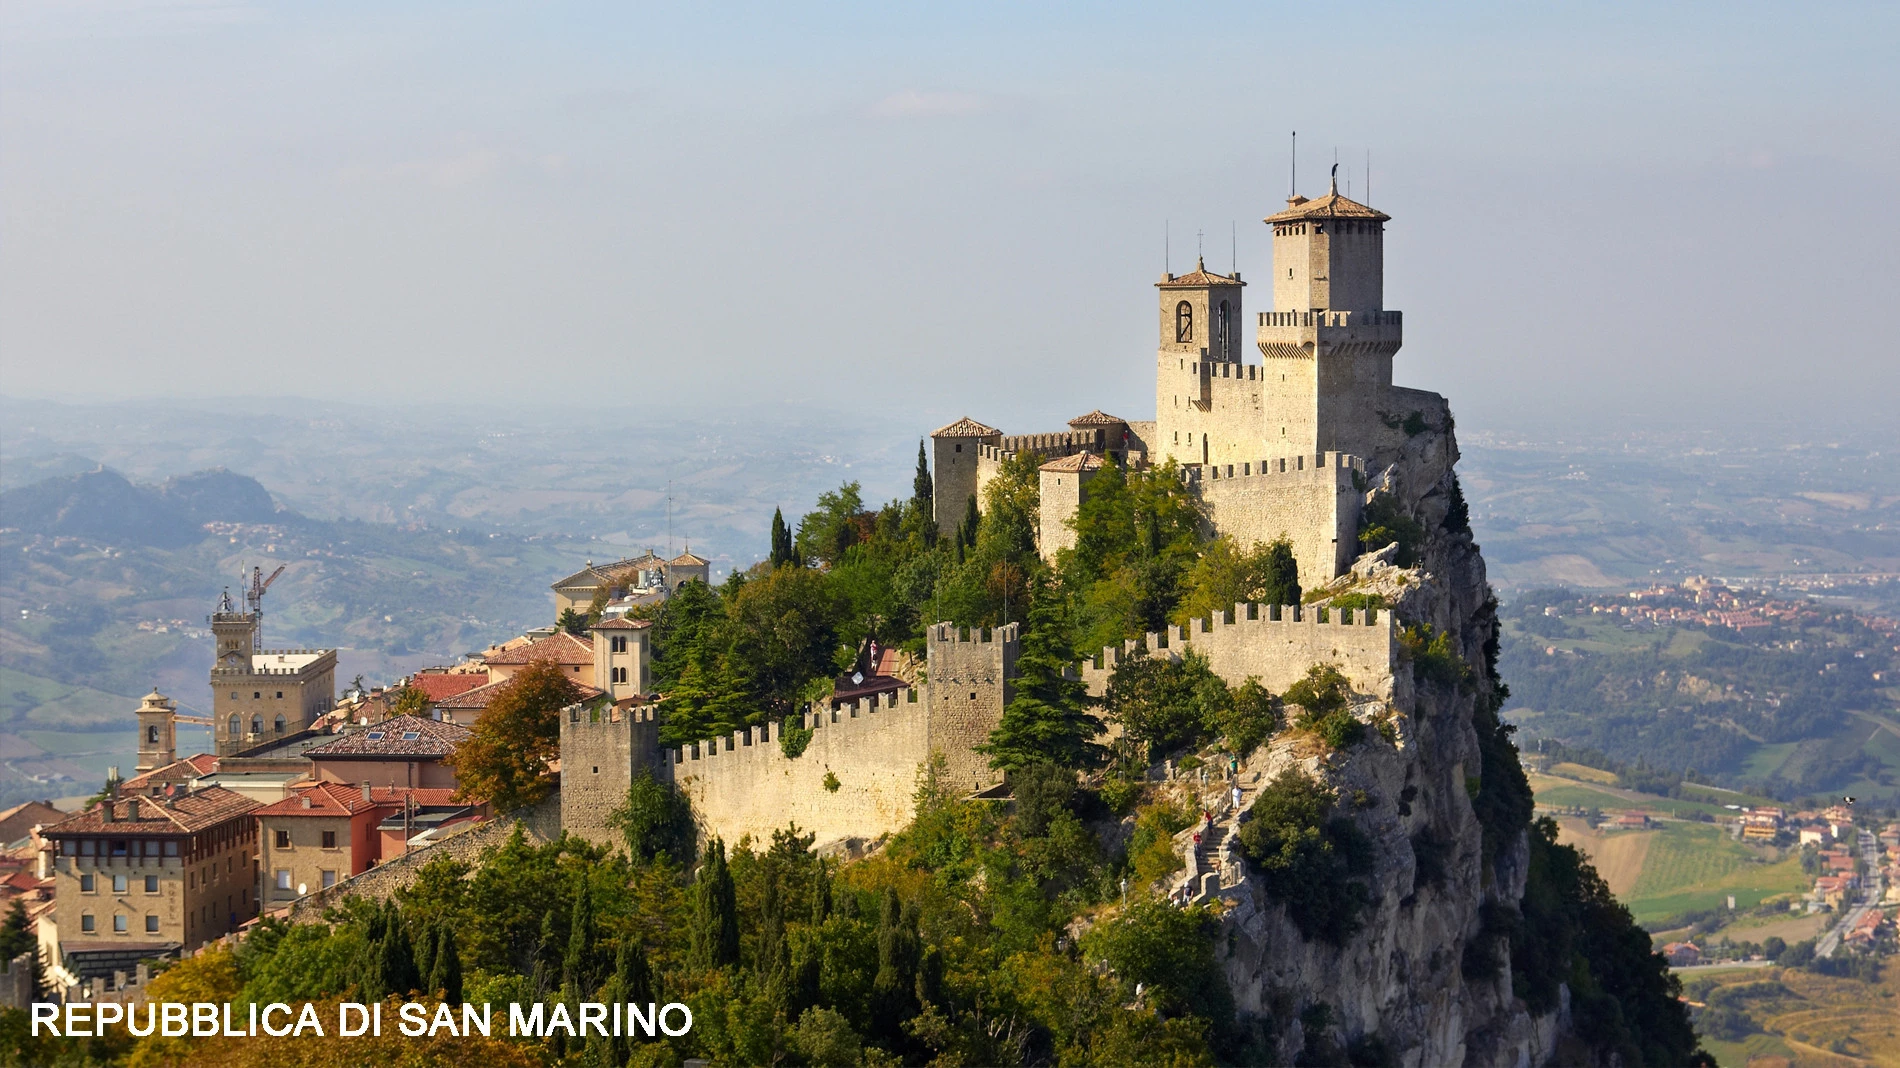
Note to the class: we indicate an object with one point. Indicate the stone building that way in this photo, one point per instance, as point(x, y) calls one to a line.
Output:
point(1274, 448)
point(141, 877)
point(405, 752)
point(259, 695)
point(644, 578)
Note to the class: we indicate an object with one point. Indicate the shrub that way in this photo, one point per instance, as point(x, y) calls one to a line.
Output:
point(1383, 522)
point(794, 736)
point(1432, 655)
point(1325, 700)
point(1309, 860)
point(831, 782)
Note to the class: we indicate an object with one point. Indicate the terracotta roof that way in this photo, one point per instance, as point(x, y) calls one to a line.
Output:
point(18, 822)
point(391, 737)
point(1081, 461)
point(1198, 277)
point(687, 559)
point(475, 698)
point(560, 647)
point(183, 814)
point(342, 799)
point(1330, 206)
point(437, 685)
point(623, 623)
point(196, 766)
point(965, 427)
point(1098, 417)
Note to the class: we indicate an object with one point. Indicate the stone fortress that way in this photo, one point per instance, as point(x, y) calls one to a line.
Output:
point(1292, 446)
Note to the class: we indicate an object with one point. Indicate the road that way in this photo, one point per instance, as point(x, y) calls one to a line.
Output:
point(1869, 898)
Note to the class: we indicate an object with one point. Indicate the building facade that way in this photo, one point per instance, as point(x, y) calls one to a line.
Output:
point(259, 695)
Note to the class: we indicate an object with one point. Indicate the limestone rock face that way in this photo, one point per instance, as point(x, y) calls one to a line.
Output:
point(1400, 981)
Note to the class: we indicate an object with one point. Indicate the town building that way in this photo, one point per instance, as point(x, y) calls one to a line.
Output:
point(141, 877)
point(643, 579)
point(405, 752)
point(258, 694)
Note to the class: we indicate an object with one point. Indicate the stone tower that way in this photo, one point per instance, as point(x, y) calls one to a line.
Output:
point(1199, 419)
point(236, 634)
point(257, 694)
point(158, 729)
point(958, 448)
point(1328, 342)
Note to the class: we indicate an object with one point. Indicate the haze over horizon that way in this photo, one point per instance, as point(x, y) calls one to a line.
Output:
point(1624, 213)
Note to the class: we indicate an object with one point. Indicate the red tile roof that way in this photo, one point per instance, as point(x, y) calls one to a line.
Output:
point(965, 427)
point(1200, 276)
point(622, 623)
point(1330, 206)
point(560, 647)
point(1081, 461)
point(180, 814)
point(196, 766)
point(335, 799)
point(1098, 417)
point(391, 738)
point(437, 685)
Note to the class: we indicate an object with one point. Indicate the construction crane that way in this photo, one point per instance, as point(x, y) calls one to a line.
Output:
point(254, 599)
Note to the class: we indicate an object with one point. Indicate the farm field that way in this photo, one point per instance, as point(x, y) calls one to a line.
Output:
point(1796, 1018)
point(1696, 866)
point(1618, 856)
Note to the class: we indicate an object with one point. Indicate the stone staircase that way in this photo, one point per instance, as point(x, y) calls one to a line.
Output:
point(1214, 864)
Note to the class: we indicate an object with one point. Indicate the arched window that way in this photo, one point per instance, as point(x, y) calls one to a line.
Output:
point(1220, 329)
point(1183, 322)
point(257, 724)
point(231, 728)
point(151, 734)
point(280, 724)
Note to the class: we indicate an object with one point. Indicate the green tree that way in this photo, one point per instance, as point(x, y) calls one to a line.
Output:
point(827, 531)
point(506, 759)
point(1250, 717)
point(782, 551)
point(1308, 859)
point(1164, 703)
point(922, 489)
point(445, 977)
point(581, 964)
point(396, 957)
point(409, 701)
point(1049, 718)
point(715, 911)
point(1324, 697)
point(654, 818)
point(572, 622)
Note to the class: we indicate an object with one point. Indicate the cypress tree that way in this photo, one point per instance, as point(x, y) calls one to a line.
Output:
point(893, 989)
point(921, 488)
point(782, 552)
point(821, 894)
point(1281, 583)
point(398, 957)
point(1048, 720)
point(445, 977)
point(715, 911)
point(633, 973)
point(547, 957)
point(580, 972)
point(426, 939)
point(971, 521)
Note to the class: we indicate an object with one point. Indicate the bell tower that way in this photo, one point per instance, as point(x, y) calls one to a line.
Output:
point(1199, 343)
point(158, 729)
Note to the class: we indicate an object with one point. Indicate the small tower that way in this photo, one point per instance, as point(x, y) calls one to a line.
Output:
point(1200, 314)
point(236, 634)
point(954, 468)
point(158, 728)
point(1200, 342)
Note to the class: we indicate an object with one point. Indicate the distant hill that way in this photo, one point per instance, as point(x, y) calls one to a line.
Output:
point(104, 505)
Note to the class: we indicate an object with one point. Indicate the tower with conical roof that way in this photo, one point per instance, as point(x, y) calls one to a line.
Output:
point(1328, 341)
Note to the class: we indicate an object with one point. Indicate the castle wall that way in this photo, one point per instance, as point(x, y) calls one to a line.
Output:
point(744, 783)
point(1311, 500)
point(1247, 642)
point(602, 749)
point(970, 683)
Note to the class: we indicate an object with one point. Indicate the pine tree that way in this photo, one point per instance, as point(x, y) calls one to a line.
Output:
point(715, 911)
point(445, 977)
point(580, 972)
point(774, 963)
point(1048, 721)
point(893, 989)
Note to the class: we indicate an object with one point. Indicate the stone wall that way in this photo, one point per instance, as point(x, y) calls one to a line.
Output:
point(970, 677)
point(541, 823)
point(1249, 642)
point(744, 784)
point(1311, 500)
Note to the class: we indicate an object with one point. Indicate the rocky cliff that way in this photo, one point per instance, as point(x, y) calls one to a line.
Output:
point(1427, 978)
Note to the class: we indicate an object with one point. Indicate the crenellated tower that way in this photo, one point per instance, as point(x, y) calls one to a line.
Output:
point(1328, 342)
point(1198, 416)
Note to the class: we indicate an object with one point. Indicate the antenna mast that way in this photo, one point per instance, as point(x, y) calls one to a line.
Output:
point(1293, 173)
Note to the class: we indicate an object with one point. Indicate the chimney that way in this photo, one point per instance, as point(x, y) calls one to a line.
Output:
point(132, 810)
point(366, 791)
point(306, 800)
point(106, 814)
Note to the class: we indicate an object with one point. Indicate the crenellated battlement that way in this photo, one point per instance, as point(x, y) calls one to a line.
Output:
point(1275, 644)
point(1331, 319)
point(1329, 465)
point(1055, 445)
point(951, 634)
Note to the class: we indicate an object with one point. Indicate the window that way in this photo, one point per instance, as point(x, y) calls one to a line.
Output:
point(231, 728)
point(374, 736)
point(68, 847)
point(410, 736)
point(171, 848)
point(1220, 327)
point(1183, 322)
point(620, 674)
point(280, 695)
point(86, 922)
point(256, 695)
point(118, 923)
point(86, 884)
point(283, 878)
point(151, 884)
point(257, 724)
point(619, 643)
point(119, 884)
point(329, 839)
point(151, 734)
point(329, 879)
point(151, 848)
point(280, 724)
point(283, 839)
point(151, 923)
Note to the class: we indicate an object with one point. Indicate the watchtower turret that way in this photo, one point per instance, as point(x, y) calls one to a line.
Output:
point(158, 731)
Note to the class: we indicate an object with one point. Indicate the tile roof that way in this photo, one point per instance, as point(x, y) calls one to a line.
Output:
point(475, 698)
point(1098, 417)
point(965, 427)
point(335, 799)
point(1081, 461)
point(181, 814)
point(196, 766)
point(560, 647)
point(437, 685)
point(1199, 276)
point(687, 559)
point(390, 738)
point(622, 623)
point(1330, 206)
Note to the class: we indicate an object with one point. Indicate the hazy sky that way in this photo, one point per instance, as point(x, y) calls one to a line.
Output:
point(1615, 209)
